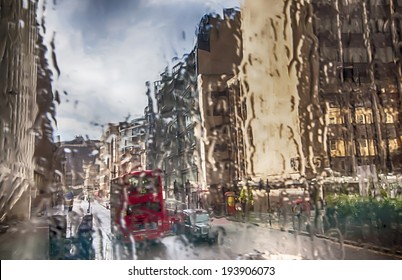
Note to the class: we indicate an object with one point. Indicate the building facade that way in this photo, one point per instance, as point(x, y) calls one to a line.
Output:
point(18, 108)
point(218, 57)
point(108, 158)
point(321, 80)
point(132, 146)
point(79, 165)
point(269, 78)
point(360, 82)
point(178, 115)
point(123, 147)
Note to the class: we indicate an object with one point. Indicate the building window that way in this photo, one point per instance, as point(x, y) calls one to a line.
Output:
point(204, 34)
point(295, 164)
point(362, 143)
point(223, 147)
point(348, 74)
point(389, 118)
point(360, 119)
point(221, 108)
point(393, 145)
point(381, 26)
point(332, 145)
point(369, 118)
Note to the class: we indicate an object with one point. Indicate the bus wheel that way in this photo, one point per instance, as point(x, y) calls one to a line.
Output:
point(156, 242)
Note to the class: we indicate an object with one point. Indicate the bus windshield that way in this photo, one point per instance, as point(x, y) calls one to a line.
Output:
point(140, 208)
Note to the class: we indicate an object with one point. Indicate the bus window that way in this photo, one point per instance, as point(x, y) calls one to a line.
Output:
point(140, 208)
point(142, 185)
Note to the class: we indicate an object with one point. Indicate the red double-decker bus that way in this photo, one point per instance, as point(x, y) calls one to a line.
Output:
point(137, 206)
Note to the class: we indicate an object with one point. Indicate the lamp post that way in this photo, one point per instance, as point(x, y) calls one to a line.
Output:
point(268, 191)
point(187, 187)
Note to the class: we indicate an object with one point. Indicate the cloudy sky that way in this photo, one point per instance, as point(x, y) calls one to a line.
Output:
point(106, 51)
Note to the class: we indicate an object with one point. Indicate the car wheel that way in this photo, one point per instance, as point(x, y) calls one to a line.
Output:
point(220, 236)
point(191, 239)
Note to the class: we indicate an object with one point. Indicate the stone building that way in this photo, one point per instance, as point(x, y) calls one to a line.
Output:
point(321, 80)
point(287, 93)
point(218, 57)
point(47, 158)
point(177, 114)
point(360, 82)
point(108, 158)
point(123, 147)
point(18, 108)
point(195, 136)
point(132, 146)
point(269, 79)
point(79, 168)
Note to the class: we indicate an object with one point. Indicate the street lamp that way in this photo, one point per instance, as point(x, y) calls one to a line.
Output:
point(268, 191)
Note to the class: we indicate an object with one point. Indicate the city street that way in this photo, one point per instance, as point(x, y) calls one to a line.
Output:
point(101, 225)
point(245, 241)
point(200, 130)
point(242, 241)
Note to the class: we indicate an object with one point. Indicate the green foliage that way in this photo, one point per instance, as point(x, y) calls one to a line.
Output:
point(384, 212)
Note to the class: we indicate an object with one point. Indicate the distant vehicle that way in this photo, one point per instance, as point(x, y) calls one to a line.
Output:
point(69, 200)
point(197, 226)
point(137, 207)
point(74, 247)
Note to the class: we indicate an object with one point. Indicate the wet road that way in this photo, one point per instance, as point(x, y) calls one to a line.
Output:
point(102, 241)
point(253, 242)
point(239, 241)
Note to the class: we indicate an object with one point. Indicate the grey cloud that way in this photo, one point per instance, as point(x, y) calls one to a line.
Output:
point(105, 20)
point(102, 19)
point(110, 48)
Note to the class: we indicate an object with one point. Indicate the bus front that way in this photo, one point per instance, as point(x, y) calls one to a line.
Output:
point(143, 207)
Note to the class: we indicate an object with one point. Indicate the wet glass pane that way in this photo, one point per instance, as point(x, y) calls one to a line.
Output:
point(255, 129)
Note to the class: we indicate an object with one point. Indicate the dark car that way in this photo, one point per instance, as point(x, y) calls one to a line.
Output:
point(197, 226)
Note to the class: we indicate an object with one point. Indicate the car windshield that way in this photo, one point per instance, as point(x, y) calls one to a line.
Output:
point(280, 119)
point(175, 205)
point(201, 218)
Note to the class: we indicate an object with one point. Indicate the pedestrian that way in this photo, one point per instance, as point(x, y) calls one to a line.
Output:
point(238, 208)
point(297, 210)
point(284, 205)
point(243, 199)
point(260, 201)
point(69, 199)
point(175, 190)
point(246, 199)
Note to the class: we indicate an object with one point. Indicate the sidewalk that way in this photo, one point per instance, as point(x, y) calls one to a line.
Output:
point(26, 240)
point(30, 240)
point(272, 221)
point(104, 202)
